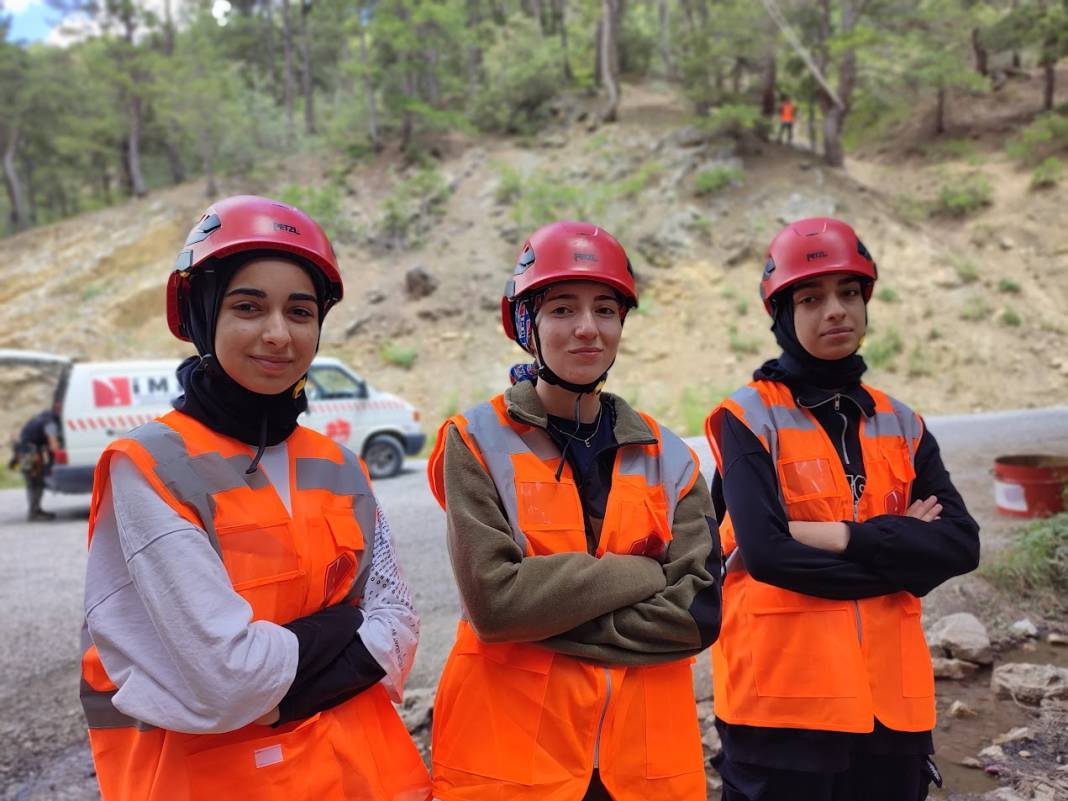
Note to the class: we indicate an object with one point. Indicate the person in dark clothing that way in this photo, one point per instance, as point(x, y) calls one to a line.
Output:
point(838, 515)
point(33, 454)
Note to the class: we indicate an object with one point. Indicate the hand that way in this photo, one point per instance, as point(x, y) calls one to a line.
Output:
point(833, 537)
point(926, 510)
point(269, 719)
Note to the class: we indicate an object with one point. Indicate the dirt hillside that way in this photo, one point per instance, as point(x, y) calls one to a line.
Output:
point(969, 314)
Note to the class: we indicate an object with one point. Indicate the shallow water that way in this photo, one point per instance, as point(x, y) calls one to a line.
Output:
point(957, 738)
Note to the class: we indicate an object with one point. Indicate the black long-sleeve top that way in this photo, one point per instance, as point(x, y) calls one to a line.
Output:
point(885, 554)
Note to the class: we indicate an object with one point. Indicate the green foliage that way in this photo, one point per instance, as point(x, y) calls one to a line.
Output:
point(741, 345)
point(1047, 135)
point(412, 207)
point(323, 205)
point(509, 185)
point(522, 73)
point(975, 309)
point(886, 295)
point(1047, 174)
point(695, 404)
point(716, 179)
point(1010, 318)
point(398, 355)
point(967, 269)
point(1008, 285)
point(919, 363)
point(964, 196)
point(1036, 561)
point(882, 350)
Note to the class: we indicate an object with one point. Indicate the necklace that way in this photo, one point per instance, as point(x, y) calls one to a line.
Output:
point(584, 440)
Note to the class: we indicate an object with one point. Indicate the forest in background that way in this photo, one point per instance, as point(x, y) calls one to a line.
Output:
point(151, 93)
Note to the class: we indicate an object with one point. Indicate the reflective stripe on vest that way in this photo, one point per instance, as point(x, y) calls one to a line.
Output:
point(785, 659)
point(319, 554)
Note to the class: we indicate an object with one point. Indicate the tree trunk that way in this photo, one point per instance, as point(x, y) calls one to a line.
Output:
point(1016, 63)
point(306, 71)
point(407, 123)
point(174, 159)
point(288, 82)
point(31, 187)
point(1050, 71)
point(207, 161)
point(561, 21)
point(767, 84)
point(940, 111)
point(663, 12)
point(598, 43)
point(270, 58)
point(369, 90)
point(537, 12)
point(813, 136)
point(133, 148)
point(610, 10)
point(736, 76)
point(19, 217)
point(834, 114)
point(979, 49)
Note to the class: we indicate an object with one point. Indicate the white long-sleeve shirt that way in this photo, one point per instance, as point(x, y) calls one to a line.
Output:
point(180, 643)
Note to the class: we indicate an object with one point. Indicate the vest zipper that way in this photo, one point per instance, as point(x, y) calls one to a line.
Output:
point(856, 603)
point(600, 722)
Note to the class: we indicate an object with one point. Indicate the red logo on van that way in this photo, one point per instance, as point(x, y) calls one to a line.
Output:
point(111, 392)
point(339, 430)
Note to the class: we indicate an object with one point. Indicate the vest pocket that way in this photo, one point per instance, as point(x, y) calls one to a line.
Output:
point(917, 673)
point(672, 732)
point(550, 514)
point(807, 649)
point(488, 708)
point(282, 767)
point(264, 566)
point(805, 479)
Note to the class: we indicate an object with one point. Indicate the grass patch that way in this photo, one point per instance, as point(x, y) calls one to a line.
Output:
point(882, 350)
point(323, 205)
point(1036, 563)
point(946, 149)
point(1010, 318)
point(509, 185)
point(967, 270)
point(886, 295)
point(1047, 174)
point(1008, 286)
point(911, 209)
point(10, 479)
point(716, 179)
point(962, 197)
point(974, 310)
point(741, 345)
point(1042, 138)
point(413, 205)
point(919, 363)
point(741, 307)
point(398, 355)
point(695, 404)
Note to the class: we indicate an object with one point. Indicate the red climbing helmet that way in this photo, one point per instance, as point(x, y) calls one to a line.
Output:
point(248, 222)
point(812, 247)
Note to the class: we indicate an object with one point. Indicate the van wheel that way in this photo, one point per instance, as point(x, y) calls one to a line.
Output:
point(384, 456)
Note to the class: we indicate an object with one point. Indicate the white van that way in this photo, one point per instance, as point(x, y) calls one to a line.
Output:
point(104, 400)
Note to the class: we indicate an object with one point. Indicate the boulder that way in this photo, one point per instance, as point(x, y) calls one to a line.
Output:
point(710, 740)
point(419, 283)
point(1029, 684)
point(1024, 628)
point(1011, 736)
point(952, 668)
point(375, 296)
point(1055, 638)
point(992, 753)
point(959, 709)
point(960, 636)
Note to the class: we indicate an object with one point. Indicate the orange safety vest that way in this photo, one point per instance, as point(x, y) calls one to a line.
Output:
point(522, 722)
point(787, 113)
point(285, 566)
point(790, 660)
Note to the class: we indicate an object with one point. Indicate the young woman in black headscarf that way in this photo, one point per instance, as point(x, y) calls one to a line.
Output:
point(837, 517)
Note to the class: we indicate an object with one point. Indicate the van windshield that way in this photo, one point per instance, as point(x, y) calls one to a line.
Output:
point(330, 383)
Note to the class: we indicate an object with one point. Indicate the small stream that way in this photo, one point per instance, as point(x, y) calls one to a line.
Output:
point(957, 738)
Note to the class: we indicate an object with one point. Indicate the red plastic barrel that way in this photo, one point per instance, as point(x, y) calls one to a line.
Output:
point(1030, 485)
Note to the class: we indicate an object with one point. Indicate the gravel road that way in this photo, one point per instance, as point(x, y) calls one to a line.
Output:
point(44, 753)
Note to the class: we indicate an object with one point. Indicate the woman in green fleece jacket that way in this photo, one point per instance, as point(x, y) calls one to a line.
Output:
point(587, 558)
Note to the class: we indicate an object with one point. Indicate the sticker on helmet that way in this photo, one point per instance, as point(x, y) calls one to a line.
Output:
point(586, 257)
point(816, 254)
point(287, 228)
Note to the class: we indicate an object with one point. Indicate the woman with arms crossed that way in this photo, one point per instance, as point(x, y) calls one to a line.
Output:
point(246, 623)
point(587, 560)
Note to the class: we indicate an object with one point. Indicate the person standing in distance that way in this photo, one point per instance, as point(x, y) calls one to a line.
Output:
point(34, 453)
point(838, 516)
point(581, 538)
point(247, 627)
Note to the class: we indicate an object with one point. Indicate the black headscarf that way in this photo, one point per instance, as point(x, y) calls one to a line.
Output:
point(798, 368)
point(213, 397)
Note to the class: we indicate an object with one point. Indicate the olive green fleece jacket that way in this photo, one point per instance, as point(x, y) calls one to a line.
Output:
point(618, 609)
